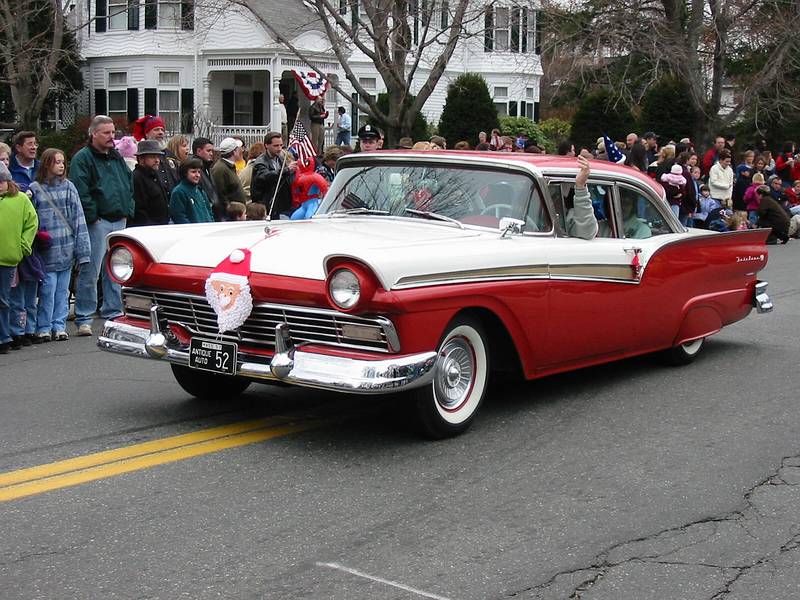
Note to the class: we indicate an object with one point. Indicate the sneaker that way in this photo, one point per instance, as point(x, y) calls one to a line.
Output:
point(40, 338)
point(60, 336)
point(84, 330)
point(4, 348)
point(16, 342)
point(27, 339)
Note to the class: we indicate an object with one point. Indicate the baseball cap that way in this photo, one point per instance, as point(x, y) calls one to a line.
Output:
point(229, 144)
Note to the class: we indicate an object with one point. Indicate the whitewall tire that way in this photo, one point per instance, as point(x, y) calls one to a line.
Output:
point(685, 353)
point(447, 406)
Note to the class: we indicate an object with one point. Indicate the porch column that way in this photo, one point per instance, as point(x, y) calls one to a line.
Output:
point(277, 71)
point(206, 92)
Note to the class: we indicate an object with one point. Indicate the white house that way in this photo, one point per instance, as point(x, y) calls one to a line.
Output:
point(213, 68)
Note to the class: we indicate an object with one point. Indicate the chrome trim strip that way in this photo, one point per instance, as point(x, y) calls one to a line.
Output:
point(293, 365)
point(523, 271)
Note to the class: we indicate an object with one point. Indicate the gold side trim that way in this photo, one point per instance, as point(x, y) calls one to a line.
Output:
point(452, 276)
point(623, 272)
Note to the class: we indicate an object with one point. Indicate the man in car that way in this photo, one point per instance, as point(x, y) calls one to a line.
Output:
point(581, 222)
point(368, 137)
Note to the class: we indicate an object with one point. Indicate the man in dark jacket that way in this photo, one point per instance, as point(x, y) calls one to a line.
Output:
point(103, 181)
point(152, 128)
point(271, 173)
point(772, 215)
point(150, 195)
point(23, 165)
point(203, 149)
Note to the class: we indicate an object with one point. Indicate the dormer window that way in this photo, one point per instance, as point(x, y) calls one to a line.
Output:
point(510, 28)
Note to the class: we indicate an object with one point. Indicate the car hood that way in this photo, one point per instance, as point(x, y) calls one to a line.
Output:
point(394, 248)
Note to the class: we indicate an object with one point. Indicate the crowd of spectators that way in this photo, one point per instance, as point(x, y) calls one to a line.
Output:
point(54, 220)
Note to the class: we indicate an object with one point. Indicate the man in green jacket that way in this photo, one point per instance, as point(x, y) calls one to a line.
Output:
point(226, 181)
point(104, 184)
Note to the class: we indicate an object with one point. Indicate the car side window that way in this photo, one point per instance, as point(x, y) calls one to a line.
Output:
point(563, 193)
point(640, 216)
point(537, 216)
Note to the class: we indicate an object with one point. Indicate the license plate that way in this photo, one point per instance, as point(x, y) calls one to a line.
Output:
point(210, 355)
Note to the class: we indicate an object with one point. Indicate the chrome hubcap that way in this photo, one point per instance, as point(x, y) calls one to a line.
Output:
point(692, 347)
point(455, 370)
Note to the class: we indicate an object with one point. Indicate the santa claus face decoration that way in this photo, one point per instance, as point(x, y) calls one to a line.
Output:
point(228, 291)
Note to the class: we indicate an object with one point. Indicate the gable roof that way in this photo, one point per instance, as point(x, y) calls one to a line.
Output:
point(290, 17)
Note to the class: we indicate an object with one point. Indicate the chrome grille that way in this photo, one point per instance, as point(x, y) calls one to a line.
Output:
point(317, 326)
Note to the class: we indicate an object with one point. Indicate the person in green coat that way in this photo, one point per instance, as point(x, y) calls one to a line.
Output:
point(188, 202)
point(104, 184)
point(18, 225)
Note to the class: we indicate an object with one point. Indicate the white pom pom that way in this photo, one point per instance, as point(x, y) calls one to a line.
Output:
point(237, 256)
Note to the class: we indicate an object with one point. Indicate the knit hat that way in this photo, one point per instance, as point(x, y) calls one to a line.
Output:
point(126, 146)
point(5, 174)
point(676, 169)
point(143, 125)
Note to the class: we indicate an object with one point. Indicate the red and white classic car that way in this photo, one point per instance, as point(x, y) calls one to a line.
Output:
point(424, 272)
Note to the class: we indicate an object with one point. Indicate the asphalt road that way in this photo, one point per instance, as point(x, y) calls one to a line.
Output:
point(632, 480)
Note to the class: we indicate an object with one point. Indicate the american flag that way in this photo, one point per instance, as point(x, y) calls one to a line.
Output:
point(300, 144)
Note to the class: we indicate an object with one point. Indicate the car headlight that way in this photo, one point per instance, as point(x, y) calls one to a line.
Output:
point(344, 288)
point(121, 263)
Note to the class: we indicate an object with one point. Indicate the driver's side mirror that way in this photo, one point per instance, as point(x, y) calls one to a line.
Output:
point(510, 225)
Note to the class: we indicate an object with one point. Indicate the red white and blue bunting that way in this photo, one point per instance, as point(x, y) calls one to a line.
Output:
point(312, 83)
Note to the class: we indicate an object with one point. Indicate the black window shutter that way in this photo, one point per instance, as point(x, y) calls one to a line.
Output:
point(150, 14)
point(536, 112)
point(537, 34)
point(488, 29)
point(227, 107)
point(150, 102)
point(101, 11)
point(133, 104)
point(133, 15)
point(258, 107)
point(187, 15)
point(187, 110)
point(100, 102)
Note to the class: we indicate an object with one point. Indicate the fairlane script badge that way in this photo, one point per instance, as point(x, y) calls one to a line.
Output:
point(758, 258)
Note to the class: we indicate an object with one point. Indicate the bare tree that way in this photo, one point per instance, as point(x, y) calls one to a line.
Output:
point(32, 44)
point(628, 46)
point(404, 39)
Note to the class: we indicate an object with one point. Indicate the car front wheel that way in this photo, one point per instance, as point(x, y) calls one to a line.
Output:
point(683, 354)
point(209, 386)
point(447, 406)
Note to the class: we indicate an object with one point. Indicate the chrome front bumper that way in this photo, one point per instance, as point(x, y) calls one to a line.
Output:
point(290, 364)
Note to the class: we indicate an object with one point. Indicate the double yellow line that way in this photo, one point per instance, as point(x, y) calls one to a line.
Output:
point(81, 469)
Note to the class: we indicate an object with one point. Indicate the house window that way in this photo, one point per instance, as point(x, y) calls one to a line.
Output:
point(509, 28)
point(169, 78)
point(169, 14)
point(169, 108)
point(501, 29)
point(118, 104)
point(117, 14)
point(117, 79)
point(331, 96)
point(243, 107)
point(500, 102)
point(368, 83)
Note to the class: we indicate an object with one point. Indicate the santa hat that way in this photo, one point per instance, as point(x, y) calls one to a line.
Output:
point(143, 125)
point(234, 268)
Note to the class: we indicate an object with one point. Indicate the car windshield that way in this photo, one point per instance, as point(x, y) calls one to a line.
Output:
point(434, 192)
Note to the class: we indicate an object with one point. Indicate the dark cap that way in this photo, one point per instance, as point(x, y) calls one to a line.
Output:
point(369, 132)
point(151, 147)
point(649, 135)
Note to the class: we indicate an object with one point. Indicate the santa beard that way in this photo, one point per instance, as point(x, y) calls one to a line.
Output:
point(230, 317)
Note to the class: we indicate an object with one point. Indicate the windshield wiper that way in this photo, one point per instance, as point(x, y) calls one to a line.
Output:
point(361, 210)
point(432, 215)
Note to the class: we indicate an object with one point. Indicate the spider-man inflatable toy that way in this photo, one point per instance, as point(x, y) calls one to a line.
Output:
point(308, 189)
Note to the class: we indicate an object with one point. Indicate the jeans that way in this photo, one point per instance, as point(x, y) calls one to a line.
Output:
point(343, 138)
point(53, 302)
point(795, 210)
point(676, 210)
point(6, 277)
point(23, 307)
point(86, 286)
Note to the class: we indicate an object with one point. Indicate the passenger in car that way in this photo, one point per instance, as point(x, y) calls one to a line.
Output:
point(633, 227)
point(580, 221)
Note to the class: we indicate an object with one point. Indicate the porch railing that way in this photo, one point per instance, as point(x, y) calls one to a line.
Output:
point(251, 134)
